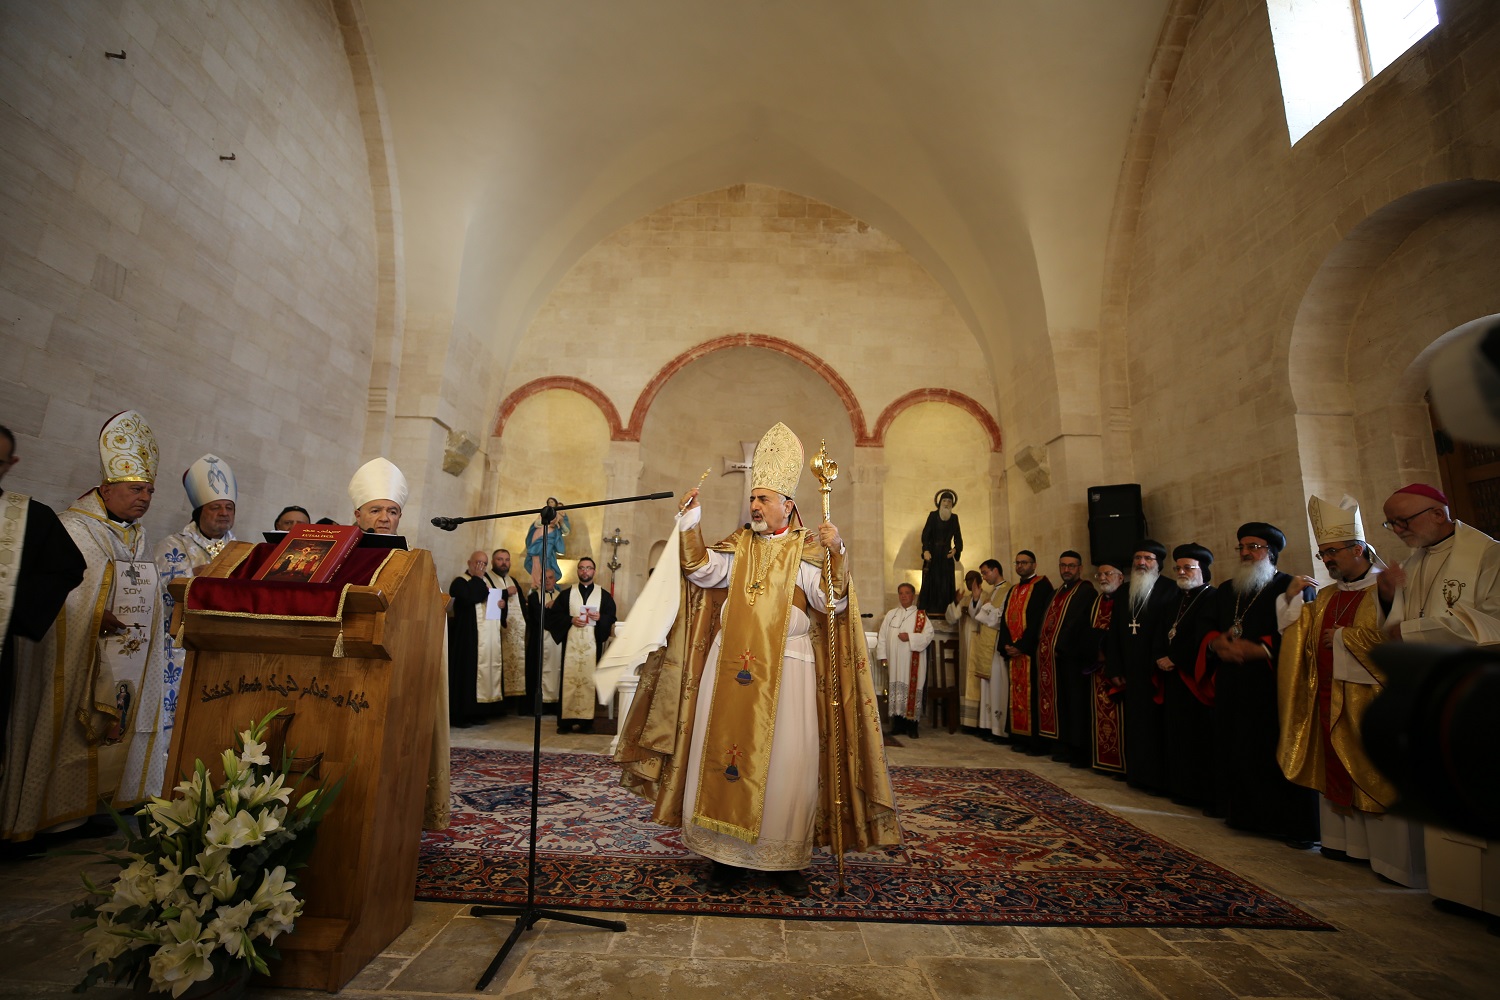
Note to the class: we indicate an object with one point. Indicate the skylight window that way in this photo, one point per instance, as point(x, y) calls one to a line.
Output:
point(1326, 50)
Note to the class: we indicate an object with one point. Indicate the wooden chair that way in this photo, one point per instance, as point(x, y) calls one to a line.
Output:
point(942, 684)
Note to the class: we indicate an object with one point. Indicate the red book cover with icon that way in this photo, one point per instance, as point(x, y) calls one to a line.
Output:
point(310, 553)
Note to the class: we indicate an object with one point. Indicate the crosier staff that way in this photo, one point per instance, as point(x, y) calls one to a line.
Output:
point(825, 470)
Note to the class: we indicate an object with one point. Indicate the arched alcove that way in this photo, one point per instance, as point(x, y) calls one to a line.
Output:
point(701, 415)
point(555, 445)
point(931, 446)
point(1377, 308)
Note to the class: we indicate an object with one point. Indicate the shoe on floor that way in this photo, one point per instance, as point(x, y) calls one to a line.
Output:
point(722, 877)
point(793, 883)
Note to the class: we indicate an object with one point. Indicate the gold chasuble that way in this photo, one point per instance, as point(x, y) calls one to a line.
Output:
point(1303, 744)
point(730, 783)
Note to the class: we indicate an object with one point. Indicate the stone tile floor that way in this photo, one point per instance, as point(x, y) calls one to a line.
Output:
point(1391, 942)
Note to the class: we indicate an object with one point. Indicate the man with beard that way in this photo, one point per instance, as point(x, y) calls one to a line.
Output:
point(942, 547)
point(1137, 623)
point(986, 665)
point(1105, 687)
point(1326, 680)
point(581, 620)
point(731, 734)
point(512, 652)
point(470, 644)
point(1020, 628)
point(1064, 655)
point(1250, 613)
point(543, 654)
point(1186, 679)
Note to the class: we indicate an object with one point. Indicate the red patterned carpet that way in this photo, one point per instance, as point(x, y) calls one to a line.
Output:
point(983, 846)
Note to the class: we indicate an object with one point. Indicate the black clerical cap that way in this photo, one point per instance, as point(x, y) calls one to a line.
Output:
point(1260, 529)
point(1154, 547)
point(1192, 550)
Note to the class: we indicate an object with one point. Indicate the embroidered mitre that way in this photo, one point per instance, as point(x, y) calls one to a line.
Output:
point(1335, 523)
point(127, 449)
point(209, 479)
point(777, 464)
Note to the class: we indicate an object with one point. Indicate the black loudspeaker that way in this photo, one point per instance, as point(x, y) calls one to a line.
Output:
point(1116, 522)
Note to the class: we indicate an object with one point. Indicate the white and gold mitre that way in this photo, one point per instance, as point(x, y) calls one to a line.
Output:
point(378, 479)
point(209, 479)
point(127, 449)
point(1335, 524)
point(777, 464)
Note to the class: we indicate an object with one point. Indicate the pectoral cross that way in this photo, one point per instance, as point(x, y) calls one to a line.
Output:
point(1134, 627)
point(753, 588)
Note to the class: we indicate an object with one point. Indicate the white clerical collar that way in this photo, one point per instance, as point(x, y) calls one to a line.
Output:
point(1363, 583)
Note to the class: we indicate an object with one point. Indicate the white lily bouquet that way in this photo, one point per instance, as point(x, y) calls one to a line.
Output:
point(203, 889)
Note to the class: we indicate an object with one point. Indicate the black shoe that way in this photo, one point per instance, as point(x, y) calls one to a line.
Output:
point(1334, 854)
point(1300, 845)
point(1062, 758)
point(563, 730)
point(793, 883)
point(913, 734)
point(722, 877)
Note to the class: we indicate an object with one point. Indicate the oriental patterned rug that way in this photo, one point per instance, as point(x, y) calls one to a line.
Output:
point(983, 846)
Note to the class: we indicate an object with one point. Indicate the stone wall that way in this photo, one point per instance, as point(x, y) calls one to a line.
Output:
point(232, 301)
point(1235, 226)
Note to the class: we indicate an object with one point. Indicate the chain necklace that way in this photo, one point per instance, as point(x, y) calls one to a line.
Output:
point(1238, 628)
point(759, 568)
point(1182, 612)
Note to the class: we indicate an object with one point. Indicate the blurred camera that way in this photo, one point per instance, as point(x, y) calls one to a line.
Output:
point(1432, 732)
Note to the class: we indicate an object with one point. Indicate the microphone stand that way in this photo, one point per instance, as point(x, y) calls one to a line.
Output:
point(529, 913)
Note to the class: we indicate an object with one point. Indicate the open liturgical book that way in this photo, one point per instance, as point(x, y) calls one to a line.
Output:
point(310, 553)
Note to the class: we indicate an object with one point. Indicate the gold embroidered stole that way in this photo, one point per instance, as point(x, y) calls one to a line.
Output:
point(747, 683)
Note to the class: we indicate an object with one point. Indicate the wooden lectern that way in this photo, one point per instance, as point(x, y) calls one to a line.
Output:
point(366, 715)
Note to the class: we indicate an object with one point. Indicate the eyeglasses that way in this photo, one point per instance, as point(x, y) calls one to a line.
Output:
point(1402, 523)
point(1251, 546)
point(1184, 570)
point(1329, 553)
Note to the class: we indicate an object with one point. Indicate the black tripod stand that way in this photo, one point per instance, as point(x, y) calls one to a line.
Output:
point(529, 913)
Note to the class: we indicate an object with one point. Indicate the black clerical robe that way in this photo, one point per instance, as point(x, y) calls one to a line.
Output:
point(1249, 788)
point(50, 568)
point(559, 622)
point(463, 649)
point(939, 585)
point(1068, 649)
point(1135, 634)
point(1187, 697)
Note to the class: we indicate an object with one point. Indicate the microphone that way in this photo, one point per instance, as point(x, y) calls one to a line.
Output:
point(447, 523)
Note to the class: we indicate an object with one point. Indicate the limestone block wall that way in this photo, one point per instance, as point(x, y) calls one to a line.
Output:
point(1233, 227)
point(753, 259)
point(231, 301)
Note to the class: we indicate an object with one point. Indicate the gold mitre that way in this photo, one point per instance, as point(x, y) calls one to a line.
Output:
point(777, 464)
point(127, 449)
point(1335, 523)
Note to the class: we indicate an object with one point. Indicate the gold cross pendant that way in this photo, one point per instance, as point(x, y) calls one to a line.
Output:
point(753, 589)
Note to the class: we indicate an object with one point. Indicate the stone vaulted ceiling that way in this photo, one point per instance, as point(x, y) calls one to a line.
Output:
point(985, 135)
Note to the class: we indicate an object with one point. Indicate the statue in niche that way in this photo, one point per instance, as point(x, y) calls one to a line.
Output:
point(942, 546)
point(554, 535)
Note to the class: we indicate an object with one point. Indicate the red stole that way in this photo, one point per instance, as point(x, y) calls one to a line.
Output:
point(1046, 662)
point(1109, 724)
point(1338, 785)
point(1020, 665)
point(915, 668)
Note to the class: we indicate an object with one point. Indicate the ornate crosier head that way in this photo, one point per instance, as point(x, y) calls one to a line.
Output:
point(824, 469)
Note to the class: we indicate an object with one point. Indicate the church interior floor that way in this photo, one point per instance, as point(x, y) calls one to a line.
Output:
point(1391, 942)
